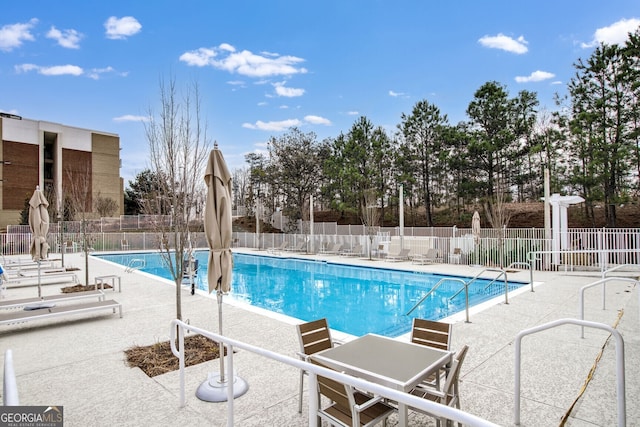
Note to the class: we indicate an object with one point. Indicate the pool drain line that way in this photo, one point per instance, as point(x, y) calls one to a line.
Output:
point(592, 371)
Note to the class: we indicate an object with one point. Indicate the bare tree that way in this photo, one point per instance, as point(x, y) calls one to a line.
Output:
point(78, 193)
point(178, 149)
point(105, 206)
point(370, 215)
point(498, 216)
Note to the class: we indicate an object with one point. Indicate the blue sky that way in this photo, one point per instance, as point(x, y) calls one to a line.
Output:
point(263, 66)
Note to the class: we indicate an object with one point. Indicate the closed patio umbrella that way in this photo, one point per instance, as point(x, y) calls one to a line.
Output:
point(475, 230)
point(217, 228)
point(39, 225)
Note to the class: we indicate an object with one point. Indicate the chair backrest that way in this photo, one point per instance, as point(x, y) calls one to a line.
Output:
point(431, 333)
point(314, 336)
point(457, 251)
point(451, 383)
point(337, 392)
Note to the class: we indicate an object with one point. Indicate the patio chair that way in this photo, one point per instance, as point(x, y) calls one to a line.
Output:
point(313, 336)
point(450, 393)
point(355, 251)
point(454, 257)
point(431, 333)
point(349, 407)
point(124, 245)
point(403, 255)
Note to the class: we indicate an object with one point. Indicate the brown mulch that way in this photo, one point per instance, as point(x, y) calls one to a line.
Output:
point(82, 288)
point(157, 359)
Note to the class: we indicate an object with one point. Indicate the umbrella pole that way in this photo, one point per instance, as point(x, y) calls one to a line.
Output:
point(216, 387)
point(221, 350)
point(39, 287)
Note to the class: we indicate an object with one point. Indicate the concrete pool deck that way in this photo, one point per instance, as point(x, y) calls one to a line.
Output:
point(78, 362)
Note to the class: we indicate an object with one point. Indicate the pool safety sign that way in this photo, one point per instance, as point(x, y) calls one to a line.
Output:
point(31, 416)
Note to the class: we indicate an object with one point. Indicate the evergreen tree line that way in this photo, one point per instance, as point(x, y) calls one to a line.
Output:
point(590, 145)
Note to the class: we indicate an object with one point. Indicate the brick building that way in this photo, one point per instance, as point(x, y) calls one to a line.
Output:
point(62, 160)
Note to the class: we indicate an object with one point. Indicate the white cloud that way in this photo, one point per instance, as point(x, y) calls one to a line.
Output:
point(272, 126)
point(395, 94)
point(121, 28)
point(95, 73)
point(226, 58)
point(66, 38)
point(56, 70)
point(199, 57)
point(536, 76)
point(12, 35)
point(352, 113)
point(131, 118)
point(60, 70)
point(72, 70)
point(616, 33)
point(288, 92)
point(317, 120)
point(503, 42)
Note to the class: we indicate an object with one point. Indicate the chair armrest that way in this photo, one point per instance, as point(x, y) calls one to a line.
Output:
point(375, 399)
point(302, 356)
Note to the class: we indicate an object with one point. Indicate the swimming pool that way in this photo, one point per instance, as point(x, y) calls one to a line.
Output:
point(355, 300)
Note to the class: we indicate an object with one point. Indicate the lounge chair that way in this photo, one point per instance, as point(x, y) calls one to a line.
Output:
point(124, 244)
point(432, 256)
point(19, 316)
point(313, 336)
point(355, 251)
point(333, 249)
point(450, 393)
point(403, 255)
point(350, 407)
point(299, 247)
point(278, 249)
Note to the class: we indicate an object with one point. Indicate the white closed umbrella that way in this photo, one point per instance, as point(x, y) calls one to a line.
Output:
point(39, 225)
point(475, 230)
point(218, 232)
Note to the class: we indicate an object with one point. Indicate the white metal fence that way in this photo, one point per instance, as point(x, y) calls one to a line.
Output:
point(501, 247)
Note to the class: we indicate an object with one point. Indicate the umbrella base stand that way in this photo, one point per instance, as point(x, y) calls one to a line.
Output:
point(215, 390)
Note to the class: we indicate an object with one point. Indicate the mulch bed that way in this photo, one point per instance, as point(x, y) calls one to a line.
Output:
point(157, 359)
point(82, 288)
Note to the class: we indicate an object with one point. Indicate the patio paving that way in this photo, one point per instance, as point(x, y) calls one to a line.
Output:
point(78, 361)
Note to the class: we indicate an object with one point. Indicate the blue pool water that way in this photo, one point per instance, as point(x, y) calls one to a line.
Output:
point(355, 300)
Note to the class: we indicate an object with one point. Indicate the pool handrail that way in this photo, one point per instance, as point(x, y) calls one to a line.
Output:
point(135, 264)
point(433, 289)
point(620, 370)
point(602, 282)
point(477, 276)
point(529, 265)
point(410, 400)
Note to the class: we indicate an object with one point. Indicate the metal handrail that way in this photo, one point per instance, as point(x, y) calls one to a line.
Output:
point(426, 405)
point(620, 373)
point(135, 264)
point(529, 266)
point(602, 282)
point(432, 290)
point(617, 267)
point(477, 276)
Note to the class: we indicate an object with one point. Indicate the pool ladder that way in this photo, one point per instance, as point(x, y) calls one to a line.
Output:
point(135, 264)
point(465, 288)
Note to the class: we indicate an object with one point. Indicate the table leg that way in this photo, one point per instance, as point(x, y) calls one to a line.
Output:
point(403, 414)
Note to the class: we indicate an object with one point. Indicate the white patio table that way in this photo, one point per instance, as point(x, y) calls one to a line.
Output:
point(395, 364)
